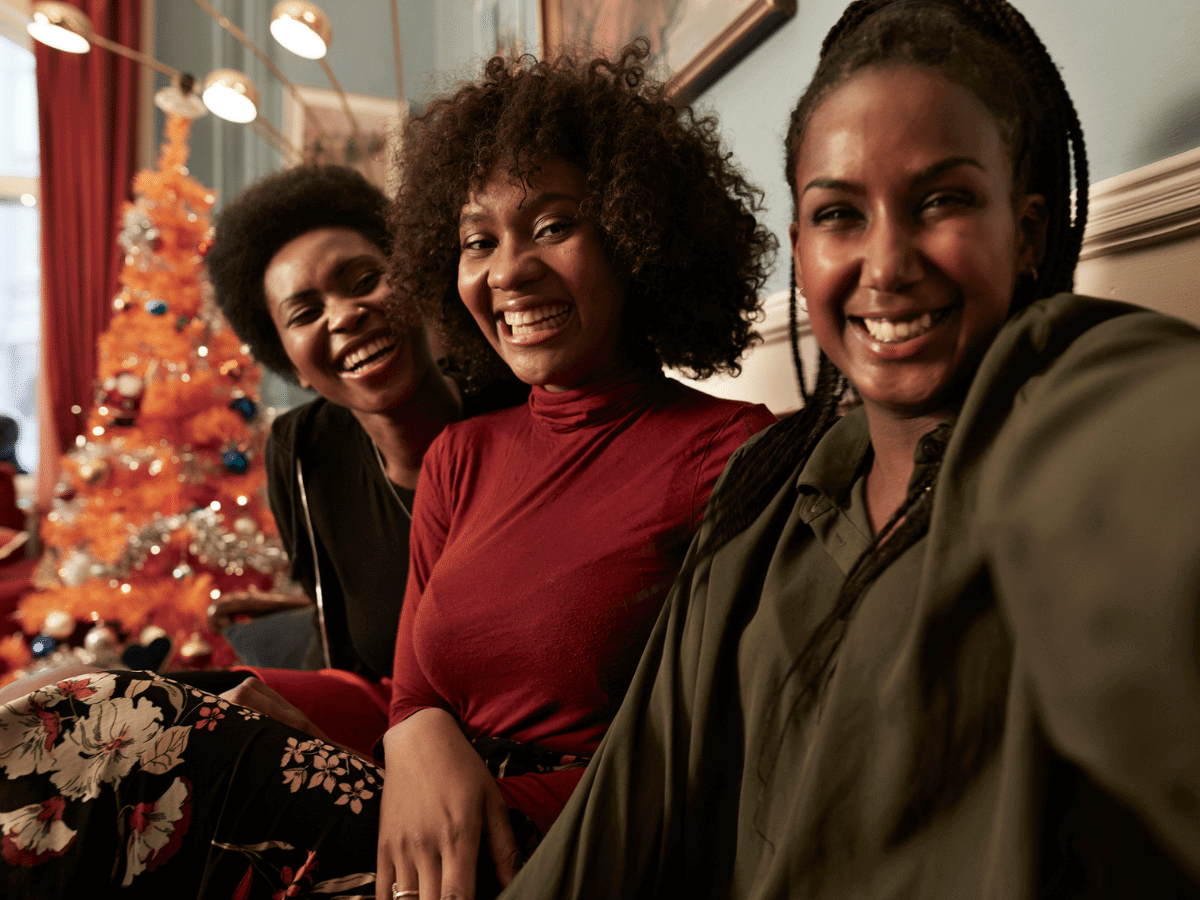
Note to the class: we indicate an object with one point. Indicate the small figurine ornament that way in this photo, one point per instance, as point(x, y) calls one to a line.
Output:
point(123, 393)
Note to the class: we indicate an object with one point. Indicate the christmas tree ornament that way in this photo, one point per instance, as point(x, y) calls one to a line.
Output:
point(123, 393)
point(231, 368)
point(196, 652)
point(58, 625)
point(138, 230)
point(42, 645)
point(102, 640)
point(244, 405)
point(156, 307)
point(152, 633)
point(75, 568)
point(235, 461)
point(94, 471)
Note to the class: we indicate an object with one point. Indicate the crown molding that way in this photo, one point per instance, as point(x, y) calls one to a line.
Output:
point(1156, 203)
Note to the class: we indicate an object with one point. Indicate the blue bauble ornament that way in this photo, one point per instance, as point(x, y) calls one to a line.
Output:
point(247, 407)
point(156, 307)
point(235, 461)
point(42, 645)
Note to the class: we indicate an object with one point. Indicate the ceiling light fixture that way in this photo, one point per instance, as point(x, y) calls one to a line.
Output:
point(301, 27)
point(61, 26)
point(231, 95)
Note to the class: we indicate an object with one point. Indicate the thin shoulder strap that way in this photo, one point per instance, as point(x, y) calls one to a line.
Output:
point(312, 540)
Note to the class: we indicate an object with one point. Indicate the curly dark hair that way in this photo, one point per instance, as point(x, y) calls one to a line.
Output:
point(672, 208)
point(269, 214)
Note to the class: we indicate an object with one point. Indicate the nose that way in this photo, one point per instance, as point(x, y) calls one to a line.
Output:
point(512, 265)
point(891, 261)
point(346, 314)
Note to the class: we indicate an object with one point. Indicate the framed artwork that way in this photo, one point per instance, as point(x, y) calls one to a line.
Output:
point(325, 135)
point(692, 42)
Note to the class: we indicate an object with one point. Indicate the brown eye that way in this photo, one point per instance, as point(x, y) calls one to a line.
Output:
point(367, 282)
point(835, 215)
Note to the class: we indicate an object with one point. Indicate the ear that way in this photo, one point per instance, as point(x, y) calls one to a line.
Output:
point(794, 239)
point(1031, 226)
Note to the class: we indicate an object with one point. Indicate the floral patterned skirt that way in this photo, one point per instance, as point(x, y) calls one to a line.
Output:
point(133, 782)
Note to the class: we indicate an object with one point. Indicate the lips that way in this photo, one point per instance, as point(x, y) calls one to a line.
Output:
point(361, 358)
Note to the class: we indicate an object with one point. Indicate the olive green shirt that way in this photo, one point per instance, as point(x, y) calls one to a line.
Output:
point(1014, 709)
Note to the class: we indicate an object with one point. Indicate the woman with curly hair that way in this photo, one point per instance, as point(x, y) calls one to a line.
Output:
point(298, 268)
point(945, 646)
point(568, 219)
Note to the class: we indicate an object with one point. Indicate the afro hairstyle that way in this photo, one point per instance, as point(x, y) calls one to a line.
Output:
point(266, 216)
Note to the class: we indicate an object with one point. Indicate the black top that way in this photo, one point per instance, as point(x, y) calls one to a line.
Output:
point(361, 532)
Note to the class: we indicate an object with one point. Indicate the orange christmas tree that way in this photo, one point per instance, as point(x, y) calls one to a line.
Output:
point(162, 503)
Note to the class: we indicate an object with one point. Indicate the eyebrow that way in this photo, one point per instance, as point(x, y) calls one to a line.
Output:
point(337, 272)
point(538, 201)
point(926, 175)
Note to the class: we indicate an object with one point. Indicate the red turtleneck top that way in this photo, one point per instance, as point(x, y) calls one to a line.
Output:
point(544, 540)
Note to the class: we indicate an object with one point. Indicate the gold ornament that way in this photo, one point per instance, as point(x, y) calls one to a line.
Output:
point(94, 471)
point(196, 652)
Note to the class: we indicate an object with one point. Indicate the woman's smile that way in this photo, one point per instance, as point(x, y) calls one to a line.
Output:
point(369, 357)
point(908, 241)
point(536, 278)
point(326, 292)
point(529, 326)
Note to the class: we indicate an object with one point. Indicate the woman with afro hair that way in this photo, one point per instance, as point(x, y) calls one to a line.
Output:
point(563, 221)
point(298, 268)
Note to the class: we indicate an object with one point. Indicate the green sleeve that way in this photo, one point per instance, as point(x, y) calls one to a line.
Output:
point(1089, 509)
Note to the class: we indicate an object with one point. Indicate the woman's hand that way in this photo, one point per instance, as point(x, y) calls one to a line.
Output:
point(438, 801)
point(227, 607)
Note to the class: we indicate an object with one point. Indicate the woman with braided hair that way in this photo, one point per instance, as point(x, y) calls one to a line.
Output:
point(948, 645)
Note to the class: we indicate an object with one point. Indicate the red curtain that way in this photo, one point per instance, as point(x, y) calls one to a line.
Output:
point(87, 119)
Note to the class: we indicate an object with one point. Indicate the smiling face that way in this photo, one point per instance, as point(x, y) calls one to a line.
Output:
point(536, 279)
point(908, 242)
point(326, 291)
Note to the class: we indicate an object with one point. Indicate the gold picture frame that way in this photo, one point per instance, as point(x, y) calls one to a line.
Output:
point(694, 41)
point(378, 120)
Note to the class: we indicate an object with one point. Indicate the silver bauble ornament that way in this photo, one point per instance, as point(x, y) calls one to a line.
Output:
point(59, 625)
point(75, 568)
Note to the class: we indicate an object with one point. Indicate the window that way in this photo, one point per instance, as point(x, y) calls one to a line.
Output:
point(20, 299)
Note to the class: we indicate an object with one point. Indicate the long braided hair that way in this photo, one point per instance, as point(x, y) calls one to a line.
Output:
point(988, 47)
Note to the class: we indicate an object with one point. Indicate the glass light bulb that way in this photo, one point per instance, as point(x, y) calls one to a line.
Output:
point(298, 37)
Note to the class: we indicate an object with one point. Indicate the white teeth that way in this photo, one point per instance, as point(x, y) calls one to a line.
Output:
point(366, 352)
point(529, 316)
point(528, 321)
point(889, 331)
